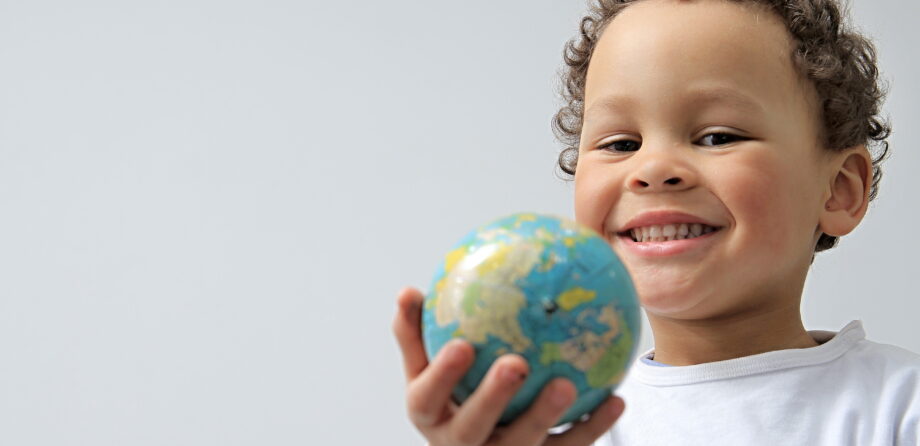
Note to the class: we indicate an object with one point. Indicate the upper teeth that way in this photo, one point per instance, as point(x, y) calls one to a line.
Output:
point(663, 233)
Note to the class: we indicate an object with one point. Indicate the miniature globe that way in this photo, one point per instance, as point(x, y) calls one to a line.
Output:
point(545, 288)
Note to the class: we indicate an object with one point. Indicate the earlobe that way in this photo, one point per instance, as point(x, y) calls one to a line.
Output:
point(849, 192)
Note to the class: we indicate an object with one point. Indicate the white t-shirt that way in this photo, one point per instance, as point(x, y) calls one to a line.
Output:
point(846, 391)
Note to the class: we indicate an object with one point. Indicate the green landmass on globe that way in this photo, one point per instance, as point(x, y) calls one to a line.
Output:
point(543, 287)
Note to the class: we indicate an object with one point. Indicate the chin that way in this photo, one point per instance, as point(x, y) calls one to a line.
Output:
point(666, 305)
point(673, 301)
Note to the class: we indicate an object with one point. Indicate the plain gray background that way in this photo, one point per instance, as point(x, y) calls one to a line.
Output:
point(207, 207)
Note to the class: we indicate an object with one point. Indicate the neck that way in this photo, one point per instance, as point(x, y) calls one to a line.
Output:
point(697, 341)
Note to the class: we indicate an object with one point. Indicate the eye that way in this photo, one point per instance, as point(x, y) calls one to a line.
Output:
point(622, 145)
point(719, 139)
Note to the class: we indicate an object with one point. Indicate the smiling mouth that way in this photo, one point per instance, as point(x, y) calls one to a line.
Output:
point(667, 233)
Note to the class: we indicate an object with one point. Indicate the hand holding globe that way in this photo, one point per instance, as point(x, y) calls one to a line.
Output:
point(530, 323)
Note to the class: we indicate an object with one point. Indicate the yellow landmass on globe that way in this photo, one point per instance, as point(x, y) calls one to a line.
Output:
point(548, 264)
point(524, 218)
point(550, 352)
point(453, 257)
point(450, 261)
point(574, 297)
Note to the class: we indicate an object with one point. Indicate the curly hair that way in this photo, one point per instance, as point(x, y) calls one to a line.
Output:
point(840, 63)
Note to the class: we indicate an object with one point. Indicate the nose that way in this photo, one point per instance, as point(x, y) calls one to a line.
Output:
point(663, 170)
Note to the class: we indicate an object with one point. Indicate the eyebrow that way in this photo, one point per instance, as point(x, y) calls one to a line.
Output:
point(698, 98)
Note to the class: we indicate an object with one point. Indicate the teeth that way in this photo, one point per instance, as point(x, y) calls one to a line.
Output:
point(696, 229)
point(669, 230)
point(663, 233)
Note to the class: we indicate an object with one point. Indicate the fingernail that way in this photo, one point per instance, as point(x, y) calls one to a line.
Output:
point(511, 376)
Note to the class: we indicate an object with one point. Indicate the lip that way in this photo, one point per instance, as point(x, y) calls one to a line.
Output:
point(656, 218)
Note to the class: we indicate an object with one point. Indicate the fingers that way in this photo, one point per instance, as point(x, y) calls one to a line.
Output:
point(477, 417)
point(550, 405)
point(431, 384)
point(587, 432)
point(408, 331)
point(428, 395)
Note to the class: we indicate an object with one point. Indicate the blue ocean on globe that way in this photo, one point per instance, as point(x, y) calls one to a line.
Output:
point(543, 287)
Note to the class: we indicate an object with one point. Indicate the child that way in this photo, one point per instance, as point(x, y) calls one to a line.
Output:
point(717, 144)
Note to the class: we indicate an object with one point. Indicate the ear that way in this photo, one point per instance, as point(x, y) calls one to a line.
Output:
point(848, 197)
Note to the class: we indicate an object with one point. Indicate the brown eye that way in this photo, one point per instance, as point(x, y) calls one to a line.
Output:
point(624, 145)
point(719, 139)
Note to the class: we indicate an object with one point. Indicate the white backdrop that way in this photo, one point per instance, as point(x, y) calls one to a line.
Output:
point(209, 206)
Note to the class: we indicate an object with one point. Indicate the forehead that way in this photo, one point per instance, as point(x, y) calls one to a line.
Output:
point(714, 50)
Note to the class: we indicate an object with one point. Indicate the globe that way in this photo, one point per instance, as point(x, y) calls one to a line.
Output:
point(545, 288)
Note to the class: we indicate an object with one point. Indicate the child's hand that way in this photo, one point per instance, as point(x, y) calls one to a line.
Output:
point(444, 423)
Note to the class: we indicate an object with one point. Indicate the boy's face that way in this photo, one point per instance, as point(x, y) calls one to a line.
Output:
point(708, 119)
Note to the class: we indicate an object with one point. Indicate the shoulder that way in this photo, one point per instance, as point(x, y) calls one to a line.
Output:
point(863, 355)
point(892, 378)
point(887, 374)
point(890, 357)
point(883, 368)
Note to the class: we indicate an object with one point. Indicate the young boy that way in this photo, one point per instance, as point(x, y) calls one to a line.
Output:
point(747, 117)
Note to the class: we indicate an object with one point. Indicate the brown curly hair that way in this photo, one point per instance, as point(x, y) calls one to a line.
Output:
point(840, 62)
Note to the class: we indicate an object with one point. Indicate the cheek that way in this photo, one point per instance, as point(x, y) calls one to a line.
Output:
point(769, 201)
point(595, 195)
